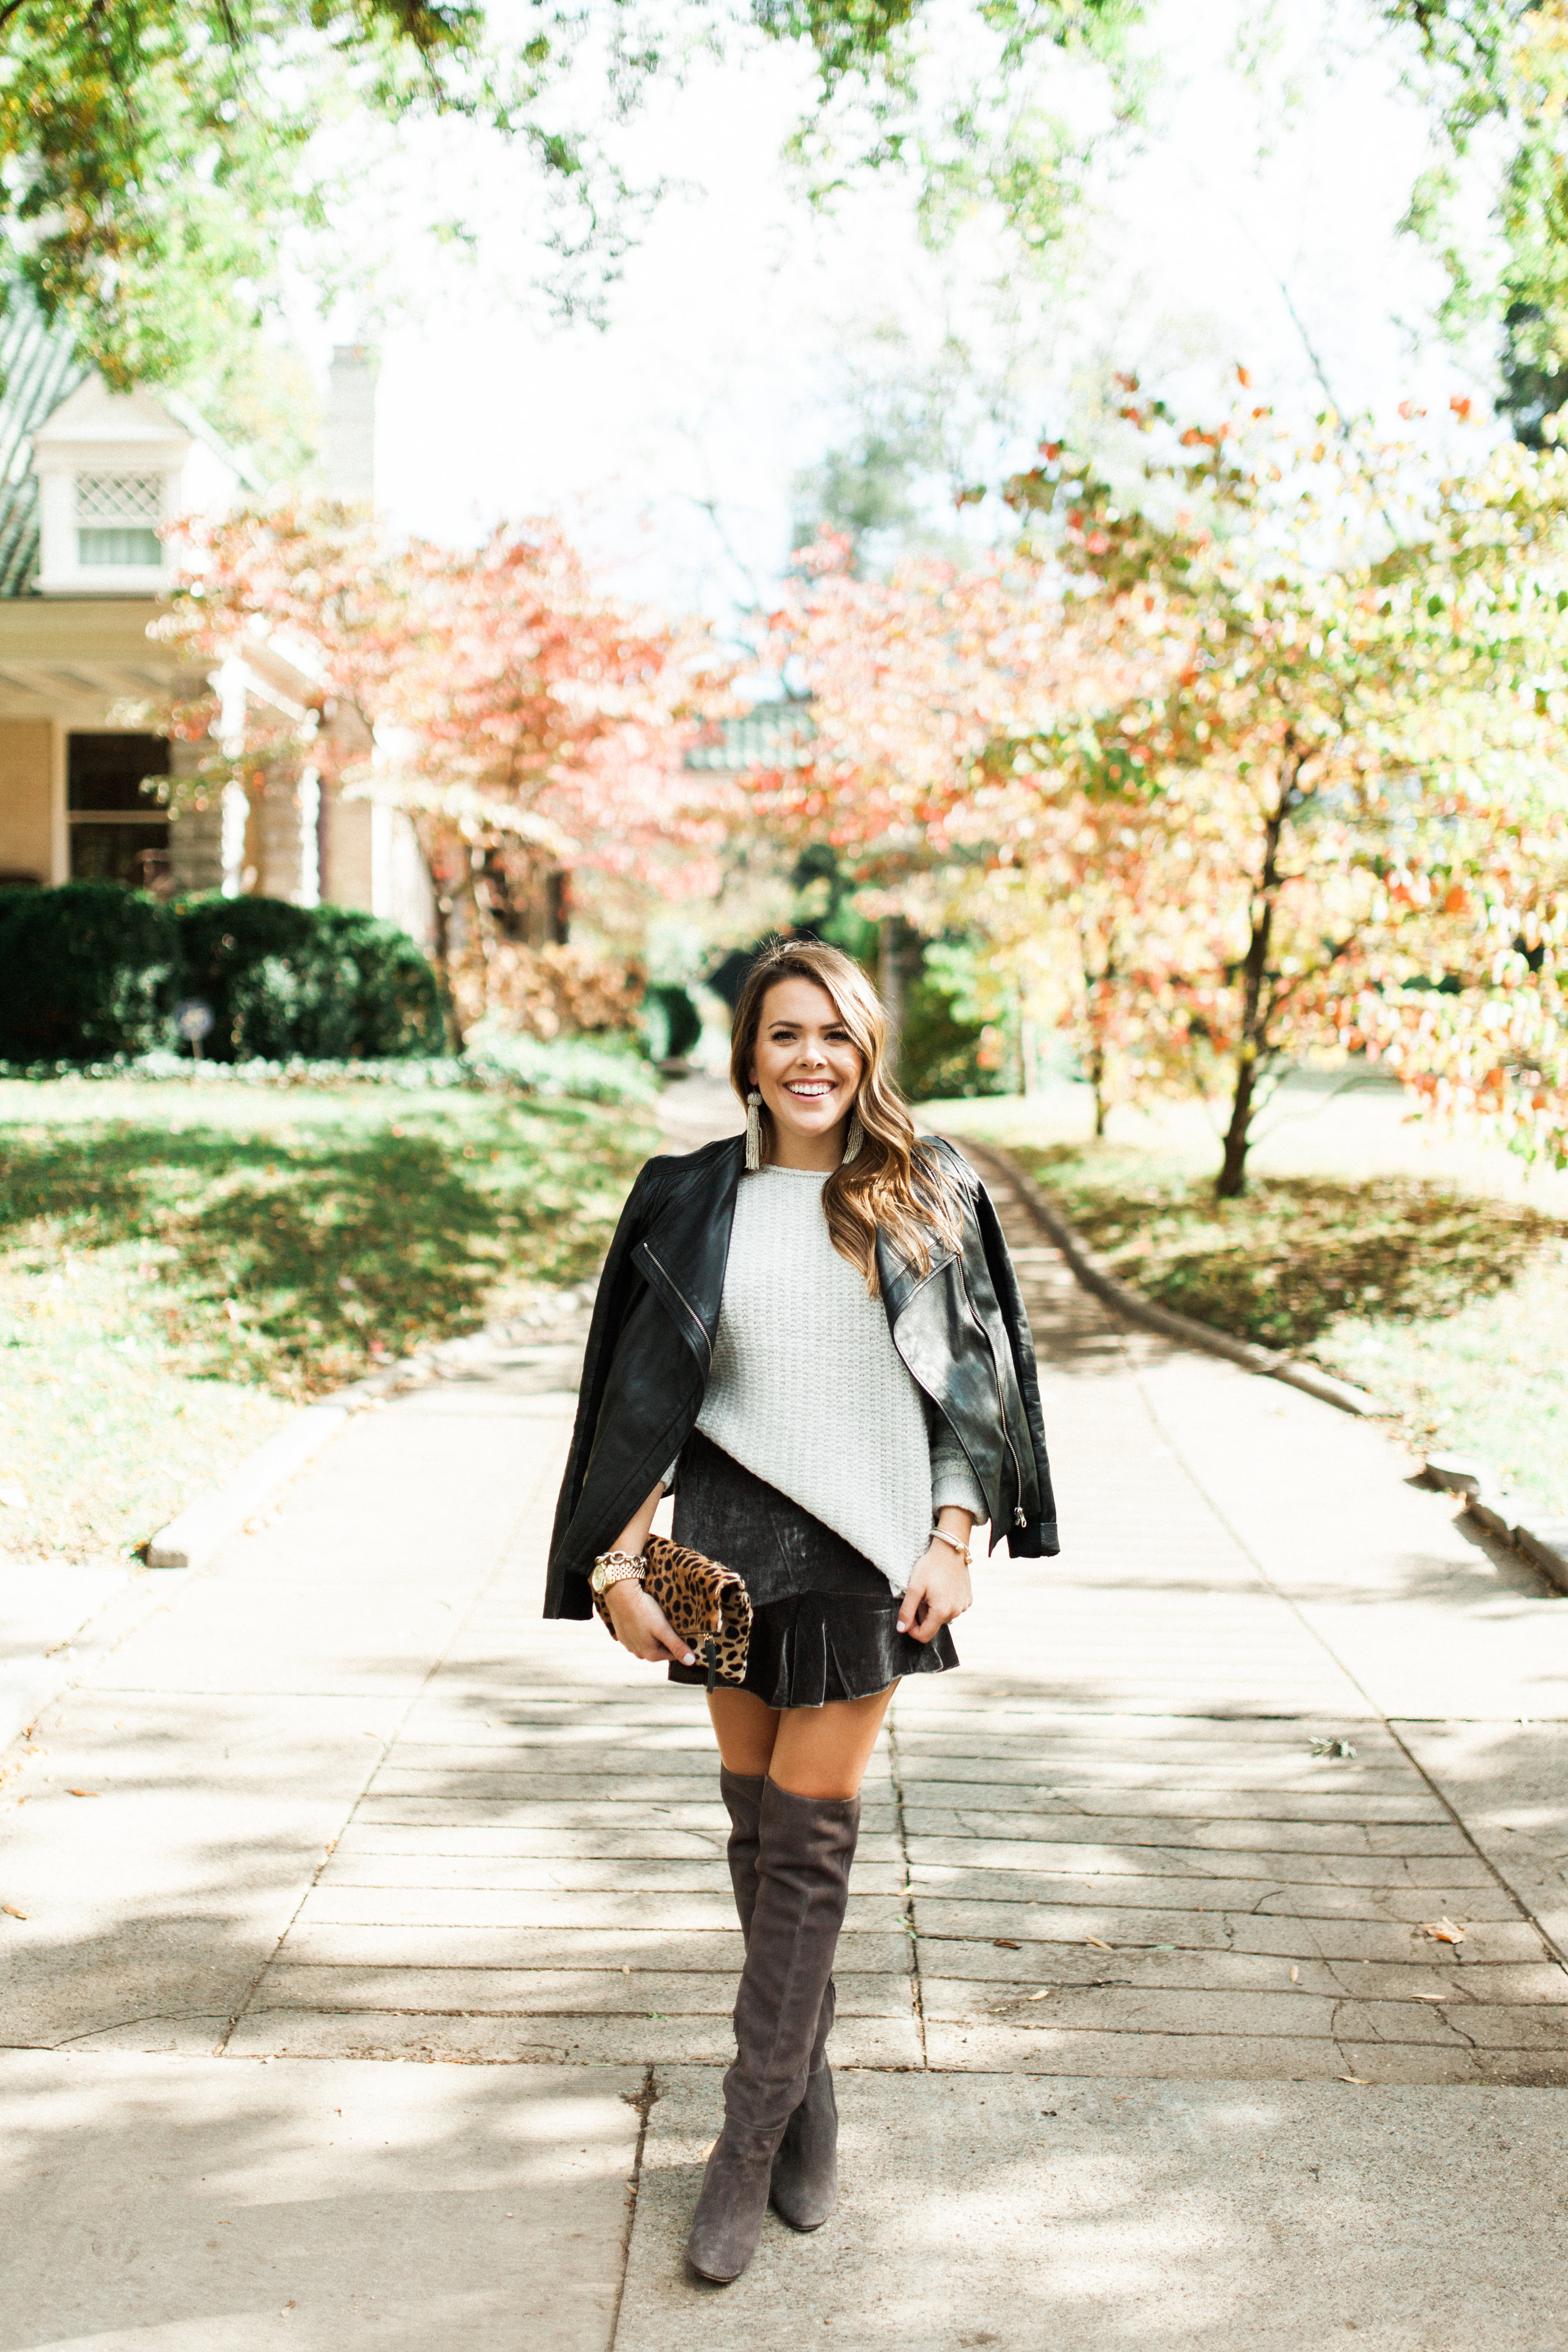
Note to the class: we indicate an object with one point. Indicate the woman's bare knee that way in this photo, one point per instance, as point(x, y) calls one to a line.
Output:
point(822, 1751)
point(746, 1731)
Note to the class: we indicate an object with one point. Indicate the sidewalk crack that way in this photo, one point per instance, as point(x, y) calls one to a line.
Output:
point(645, 2101)
point(911, 1931)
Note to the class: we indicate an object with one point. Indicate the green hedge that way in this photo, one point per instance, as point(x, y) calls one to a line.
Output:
point(939, 1051)
point(91, 970)
point(87, 970)
point(668, 1022)
point(326, 983)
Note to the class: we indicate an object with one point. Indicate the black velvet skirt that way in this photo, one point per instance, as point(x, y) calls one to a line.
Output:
point(824, 1622)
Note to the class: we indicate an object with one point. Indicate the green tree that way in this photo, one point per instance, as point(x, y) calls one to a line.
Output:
point(156, 150)
point(1493, 63)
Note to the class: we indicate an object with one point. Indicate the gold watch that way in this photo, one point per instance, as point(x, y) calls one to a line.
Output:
point(615, 1568)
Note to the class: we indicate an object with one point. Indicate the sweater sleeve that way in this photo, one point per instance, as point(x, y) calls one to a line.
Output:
point(952, 1480)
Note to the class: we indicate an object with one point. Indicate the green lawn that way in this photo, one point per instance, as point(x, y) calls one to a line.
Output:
point(175, 1273)
point(1447, 1301)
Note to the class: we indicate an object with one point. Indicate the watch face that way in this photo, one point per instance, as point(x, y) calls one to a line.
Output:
point(596, 1580)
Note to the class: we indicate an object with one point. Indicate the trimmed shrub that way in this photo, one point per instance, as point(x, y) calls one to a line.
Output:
point(669, 1022)
point(327, 984)
point(87, 970)
point(398, 1000)
point(941, 1055)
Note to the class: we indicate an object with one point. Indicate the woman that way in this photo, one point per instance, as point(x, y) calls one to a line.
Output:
point(821, 1321)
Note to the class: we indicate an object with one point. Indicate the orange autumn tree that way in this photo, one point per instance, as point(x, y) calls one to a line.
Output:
point(1358, 741)
point(527, 723)
point(922, 686)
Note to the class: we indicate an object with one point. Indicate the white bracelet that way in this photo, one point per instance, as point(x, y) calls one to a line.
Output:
point(962, 1549)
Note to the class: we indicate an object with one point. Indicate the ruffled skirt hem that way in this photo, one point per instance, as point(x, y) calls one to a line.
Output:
point(815, 1648)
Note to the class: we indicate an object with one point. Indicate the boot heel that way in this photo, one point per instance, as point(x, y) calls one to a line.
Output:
point(806, 2168)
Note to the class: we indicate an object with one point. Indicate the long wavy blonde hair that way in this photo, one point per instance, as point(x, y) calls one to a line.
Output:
point(893, 1184)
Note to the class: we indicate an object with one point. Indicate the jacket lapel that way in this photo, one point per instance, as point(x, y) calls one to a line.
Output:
point(683, 1255)
point(900, 1279)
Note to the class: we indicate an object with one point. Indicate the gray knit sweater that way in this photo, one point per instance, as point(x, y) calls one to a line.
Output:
point(808, 1392)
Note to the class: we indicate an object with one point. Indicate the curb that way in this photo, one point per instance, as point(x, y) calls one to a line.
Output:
point(1094, 1277)
point(30, 1685)
point(1530, 1530)
point(191, 1539)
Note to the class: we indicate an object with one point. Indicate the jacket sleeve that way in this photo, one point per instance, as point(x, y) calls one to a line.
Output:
point(617, 1281)
point(1039, 1537)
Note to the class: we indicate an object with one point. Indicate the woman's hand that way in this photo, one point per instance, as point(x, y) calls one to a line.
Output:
point(642, 1627)
point(937, 1592)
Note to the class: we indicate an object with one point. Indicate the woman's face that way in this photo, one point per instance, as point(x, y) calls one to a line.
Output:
point(807, 1069)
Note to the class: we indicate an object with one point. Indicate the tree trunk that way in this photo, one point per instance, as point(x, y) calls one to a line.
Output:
point(1232, 1181)
point(1097, 1088)
point(1257, 1005)
point(1097, 997)
point(896, 944)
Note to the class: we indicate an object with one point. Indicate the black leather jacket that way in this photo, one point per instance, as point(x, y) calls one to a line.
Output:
point(960, 1329)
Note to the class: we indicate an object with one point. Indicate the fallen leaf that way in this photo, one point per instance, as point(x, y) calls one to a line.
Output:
point(15, 1499)
point(11, 1911)
point(1363, 2079)
point(1295, 1976)
point(82, 1792)
point(1098, 1945)
point(1005, 1944)
point(1332, 1747)
point(1442, 1931)
point(1045, 1995)
point(1431, 1996)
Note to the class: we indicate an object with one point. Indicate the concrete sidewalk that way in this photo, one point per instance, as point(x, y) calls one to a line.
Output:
point(377, 1949)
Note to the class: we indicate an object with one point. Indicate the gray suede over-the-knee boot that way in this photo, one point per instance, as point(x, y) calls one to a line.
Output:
point(805, 2184)
point(742, 1797)
point(806, 1845)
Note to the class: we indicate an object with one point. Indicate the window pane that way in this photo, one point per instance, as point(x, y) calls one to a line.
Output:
point(99, 547)
point(105, 772)
point(136, 854)
point(120, 497)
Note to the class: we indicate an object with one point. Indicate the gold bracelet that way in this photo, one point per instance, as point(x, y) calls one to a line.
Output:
point(962, 1549)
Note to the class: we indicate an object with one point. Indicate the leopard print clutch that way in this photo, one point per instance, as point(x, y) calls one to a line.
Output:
point(708, 1605)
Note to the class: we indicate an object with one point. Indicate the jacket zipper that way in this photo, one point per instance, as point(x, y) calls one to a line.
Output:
point(686, 1302)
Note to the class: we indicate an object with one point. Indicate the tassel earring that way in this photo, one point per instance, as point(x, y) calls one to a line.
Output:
point(753, 1131)
point(854, 1140)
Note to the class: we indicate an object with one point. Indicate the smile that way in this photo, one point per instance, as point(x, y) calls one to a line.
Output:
point(810, 1089)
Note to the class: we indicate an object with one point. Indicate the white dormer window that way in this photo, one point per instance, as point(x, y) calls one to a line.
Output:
point(112, 467)
point(117, 519)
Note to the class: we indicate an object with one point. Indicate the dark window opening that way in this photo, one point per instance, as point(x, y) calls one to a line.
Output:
point(118, 832)
point(105, 772)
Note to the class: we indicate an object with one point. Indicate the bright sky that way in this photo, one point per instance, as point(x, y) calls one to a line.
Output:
point(741, 318)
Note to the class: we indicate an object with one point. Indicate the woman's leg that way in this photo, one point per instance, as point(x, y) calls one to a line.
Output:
point(744, 1730)
point(814, 1751)
point(780, 2126)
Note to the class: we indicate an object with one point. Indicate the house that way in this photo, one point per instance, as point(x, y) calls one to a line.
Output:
point(87, 477)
